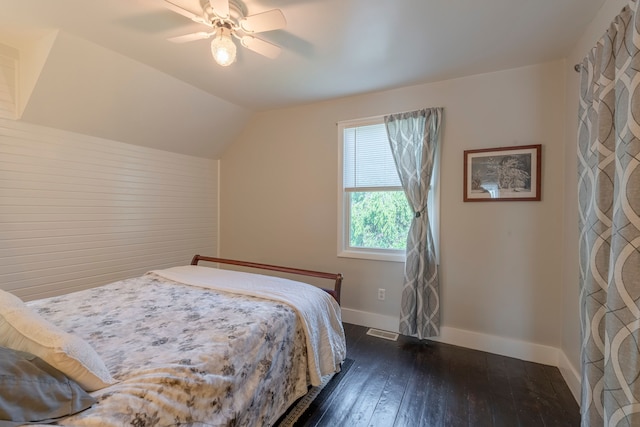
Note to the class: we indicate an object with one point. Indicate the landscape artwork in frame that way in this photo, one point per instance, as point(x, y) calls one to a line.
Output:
point(502, 174)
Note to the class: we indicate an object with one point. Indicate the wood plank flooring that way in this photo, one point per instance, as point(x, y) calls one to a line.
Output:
point(414, 383)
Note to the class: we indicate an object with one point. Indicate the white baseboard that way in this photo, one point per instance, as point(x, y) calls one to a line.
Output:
point(499, 345)
point(523, 350)
point(371, 320)
point(475, 340)
point(570, 375)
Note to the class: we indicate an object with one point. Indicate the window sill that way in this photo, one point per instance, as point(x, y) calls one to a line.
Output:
point(373, 255)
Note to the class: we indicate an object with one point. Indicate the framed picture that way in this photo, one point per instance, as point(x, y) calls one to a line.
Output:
point(502, 174)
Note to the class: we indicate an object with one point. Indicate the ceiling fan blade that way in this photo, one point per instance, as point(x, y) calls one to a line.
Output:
point(265, 21)
point(191, 37)
point(187, 13)
point(260, 46)
point(220, 7)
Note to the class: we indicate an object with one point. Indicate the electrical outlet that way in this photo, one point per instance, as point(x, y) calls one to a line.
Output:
point(381, 294)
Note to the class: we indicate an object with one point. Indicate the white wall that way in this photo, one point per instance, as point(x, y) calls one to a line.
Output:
point(501, 262)
point(570, 294)
point(79, 211)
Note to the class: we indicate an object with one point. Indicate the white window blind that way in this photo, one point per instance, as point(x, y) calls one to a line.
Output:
point(368, 162)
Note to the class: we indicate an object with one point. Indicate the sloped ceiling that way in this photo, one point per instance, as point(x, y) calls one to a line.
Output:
point(109, 71)
point(91, 90)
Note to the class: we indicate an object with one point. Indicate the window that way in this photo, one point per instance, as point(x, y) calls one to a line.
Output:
point(373, 213)
point(374, 216)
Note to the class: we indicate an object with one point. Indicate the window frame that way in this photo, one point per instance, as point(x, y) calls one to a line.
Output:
point(345, 250)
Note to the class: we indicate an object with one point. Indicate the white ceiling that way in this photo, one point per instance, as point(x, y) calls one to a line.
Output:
point(330, 48)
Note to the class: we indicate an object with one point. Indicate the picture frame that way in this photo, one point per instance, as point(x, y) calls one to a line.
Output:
point(503, 174)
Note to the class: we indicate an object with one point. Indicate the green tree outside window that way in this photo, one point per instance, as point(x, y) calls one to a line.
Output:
point(379, 219)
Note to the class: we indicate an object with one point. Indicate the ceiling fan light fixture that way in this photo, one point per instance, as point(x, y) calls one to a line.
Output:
point(228, 20)
point(223, 48)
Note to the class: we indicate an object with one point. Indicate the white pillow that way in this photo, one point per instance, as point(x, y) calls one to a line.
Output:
point(25, 330)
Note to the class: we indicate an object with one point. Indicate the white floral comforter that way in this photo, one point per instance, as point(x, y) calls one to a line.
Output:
point(318, 311)
point(185, 355)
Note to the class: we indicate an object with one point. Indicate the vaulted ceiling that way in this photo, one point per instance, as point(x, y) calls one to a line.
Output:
point(105, 68)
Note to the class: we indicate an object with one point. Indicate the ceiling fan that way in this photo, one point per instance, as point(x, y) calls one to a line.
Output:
point(227, 19)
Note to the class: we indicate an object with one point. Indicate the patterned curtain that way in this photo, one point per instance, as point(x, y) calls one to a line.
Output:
point(414, 140)
point(609, 198)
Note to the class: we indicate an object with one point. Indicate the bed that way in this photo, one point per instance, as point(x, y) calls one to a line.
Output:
point(189, 345)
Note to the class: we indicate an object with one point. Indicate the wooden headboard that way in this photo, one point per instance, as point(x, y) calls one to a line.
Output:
point(337, 277)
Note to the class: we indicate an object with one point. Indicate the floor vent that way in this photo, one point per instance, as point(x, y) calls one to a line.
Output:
point(391, 336)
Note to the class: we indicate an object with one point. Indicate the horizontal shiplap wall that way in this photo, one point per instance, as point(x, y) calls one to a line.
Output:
point(79, 211)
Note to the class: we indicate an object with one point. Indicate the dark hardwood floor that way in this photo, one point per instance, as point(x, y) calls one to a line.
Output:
point(414, 383)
